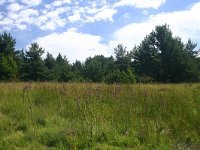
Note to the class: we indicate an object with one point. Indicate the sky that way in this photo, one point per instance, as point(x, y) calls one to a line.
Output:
point(79, 29)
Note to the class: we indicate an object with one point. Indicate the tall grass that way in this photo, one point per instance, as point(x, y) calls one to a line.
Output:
point(99, 116)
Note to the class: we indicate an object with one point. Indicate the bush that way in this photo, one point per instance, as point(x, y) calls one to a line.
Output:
point(146, 79)
point(120, 77)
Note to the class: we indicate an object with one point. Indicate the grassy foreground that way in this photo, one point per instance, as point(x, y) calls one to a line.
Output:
point(98, 116)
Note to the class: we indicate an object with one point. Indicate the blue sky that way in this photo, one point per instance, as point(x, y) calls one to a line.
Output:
point(83, 28)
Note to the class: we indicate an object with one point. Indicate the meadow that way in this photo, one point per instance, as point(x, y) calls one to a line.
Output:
point(99, 116)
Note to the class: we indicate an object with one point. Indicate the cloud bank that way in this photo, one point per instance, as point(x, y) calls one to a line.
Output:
point(74, 45)
point(184, 24)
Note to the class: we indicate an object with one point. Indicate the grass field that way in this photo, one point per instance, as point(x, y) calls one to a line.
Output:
point(99, 116)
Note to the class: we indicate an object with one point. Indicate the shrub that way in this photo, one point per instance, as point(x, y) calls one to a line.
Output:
point(120, 77)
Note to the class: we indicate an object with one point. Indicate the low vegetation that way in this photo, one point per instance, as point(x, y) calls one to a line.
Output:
point(99, 116)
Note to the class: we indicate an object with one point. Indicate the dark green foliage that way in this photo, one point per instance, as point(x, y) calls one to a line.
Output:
point(8, 66)
point(20, 60)
point(97, 67)
point(34, 67)
point(50, 64)
point(120, 77)
point(7, 44)
point(77, 72)
point(123, 61)
point(161, 57)
point(49, 61)
point(62, 69)
point(190, 48)
point(165, 58)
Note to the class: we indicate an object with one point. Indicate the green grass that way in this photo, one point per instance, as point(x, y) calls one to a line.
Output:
point(99, 116)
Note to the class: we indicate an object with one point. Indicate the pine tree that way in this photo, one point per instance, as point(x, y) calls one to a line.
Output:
point(34, 67)
point(8, 66)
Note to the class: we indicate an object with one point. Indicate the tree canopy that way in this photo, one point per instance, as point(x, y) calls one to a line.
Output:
point(8, 66)
point(160, 57)
point(165, 58)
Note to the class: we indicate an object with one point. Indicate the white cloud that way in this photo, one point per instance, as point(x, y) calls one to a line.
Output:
point(13, 16)
point(22, 16)
point(72, 30)
point(56, 14)
point(48, 6)
point(32, 2)
point(27, 16)
point(57, 3)
point(66, 1)
point(74, 18)
point(51, 25)
point(140, 3)
point(60, 2)
point(51, 20)
point(19, 20)
point(105, 14)
point(73, 44)
point(6, 22)
point(185, 24)
point(14, 7)
point(131, 34)
point(93, 11)
point(21, 26)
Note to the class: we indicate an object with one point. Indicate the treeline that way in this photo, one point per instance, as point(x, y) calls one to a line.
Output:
point(160, 57)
